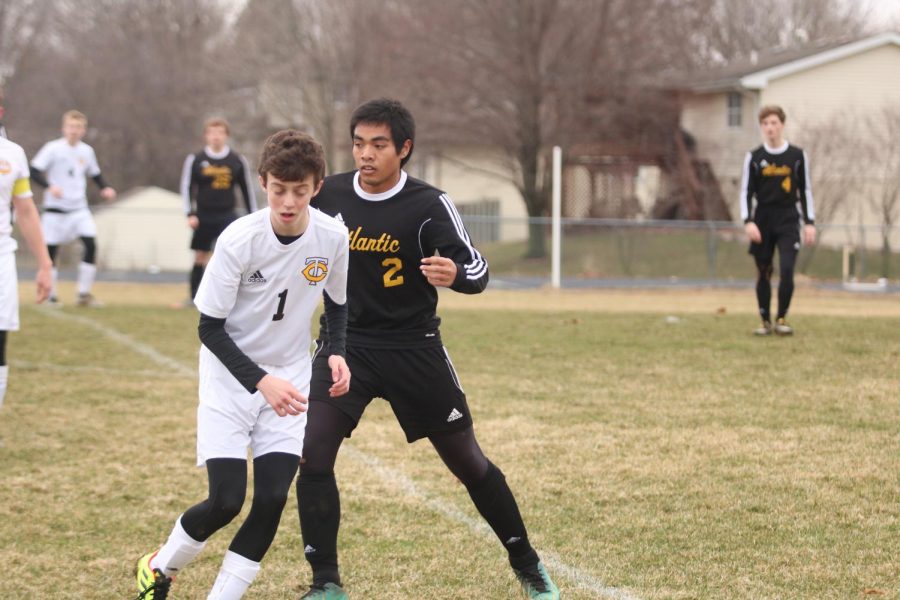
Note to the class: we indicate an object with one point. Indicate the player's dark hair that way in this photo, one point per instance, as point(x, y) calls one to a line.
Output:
point(766, 111)
point(386, 111)
point(292, 155)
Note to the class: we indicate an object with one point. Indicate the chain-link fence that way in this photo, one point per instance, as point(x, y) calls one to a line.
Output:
point(594, 251)
point(636, 252)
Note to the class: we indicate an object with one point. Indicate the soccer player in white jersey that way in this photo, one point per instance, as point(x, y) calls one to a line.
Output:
point(256, 300)
point(63, 166)
point(15, 190)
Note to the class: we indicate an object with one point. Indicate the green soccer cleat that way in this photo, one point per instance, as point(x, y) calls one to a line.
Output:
point(536, 583)
point(329, 591)
point(152, 583)
point(782, 328)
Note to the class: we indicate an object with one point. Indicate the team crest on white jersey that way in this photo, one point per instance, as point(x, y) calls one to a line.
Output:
point(5, 167)
point(316, 269)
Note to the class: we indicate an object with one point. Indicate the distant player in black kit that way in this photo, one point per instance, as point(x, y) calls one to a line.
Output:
point(406, 239)
point(208, 182)
point(777, 175)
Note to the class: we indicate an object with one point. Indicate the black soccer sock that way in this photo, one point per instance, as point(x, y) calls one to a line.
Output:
point(496, 503)
point(764, 290)
point(2, 347)
point(196, 276)
point(272, 477)
point(319, 505)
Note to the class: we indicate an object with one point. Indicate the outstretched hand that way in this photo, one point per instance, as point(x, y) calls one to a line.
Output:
point(282, 396)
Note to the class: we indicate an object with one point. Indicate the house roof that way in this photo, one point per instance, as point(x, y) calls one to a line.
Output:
point(757, 73)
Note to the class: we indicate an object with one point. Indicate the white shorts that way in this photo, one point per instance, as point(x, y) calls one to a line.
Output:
point(230, 419)
point(62, 228)
point(9, 292)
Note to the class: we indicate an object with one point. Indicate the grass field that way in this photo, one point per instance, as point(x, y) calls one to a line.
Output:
point(656, 448)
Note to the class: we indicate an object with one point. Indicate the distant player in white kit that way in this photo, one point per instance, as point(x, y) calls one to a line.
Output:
point(256, 300)
point(63, 166)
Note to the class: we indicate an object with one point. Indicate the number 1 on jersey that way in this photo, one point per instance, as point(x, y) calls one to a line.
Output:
point(279, 314)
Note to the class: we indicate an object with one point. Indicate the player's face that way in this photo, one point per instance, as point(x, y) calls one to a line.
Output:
point(289, 202)
point(772, 129)
point(73, 130)
point(376, 157)
point(215, 137)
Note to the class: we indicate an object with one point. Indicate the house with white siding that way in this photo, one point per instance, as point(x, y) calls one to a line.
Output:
point(833, 95)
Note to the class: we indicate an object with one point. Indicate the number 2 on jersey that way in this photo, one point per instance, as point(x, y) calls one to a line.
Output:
point(390, 276)
point(279, 314)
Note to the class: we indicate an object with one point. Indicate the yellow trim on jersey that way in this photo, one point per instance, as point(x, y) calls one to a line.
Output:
point(22, 188)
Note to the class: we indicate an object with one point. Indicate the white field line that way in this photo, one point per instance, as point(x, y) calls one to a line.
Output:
point(554, 564)
point(583, 580)
point(173, 365)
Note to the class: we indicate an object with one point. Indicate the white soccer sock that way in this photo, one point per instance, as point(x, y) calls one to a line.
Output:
point(177, 552)
point(4, 374)
point(235, 576)
point(86, 274)
point(53, 282)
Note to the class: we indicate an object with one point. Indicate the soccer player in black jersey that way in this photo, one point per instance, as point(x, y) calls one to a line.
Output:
point(208, 183)
point(406, 240)
point(777, 175)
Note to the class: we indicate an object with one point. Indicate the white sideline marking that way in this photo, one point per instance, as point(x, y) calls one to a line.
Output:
point(583, 580)
point(126, 340)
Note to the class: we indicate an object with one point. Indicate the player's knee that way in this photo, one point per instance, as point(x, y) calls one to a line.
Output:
point(270, 500)
point(90, 250)
point(226, 503)
point(787, 273)
point(765, 271)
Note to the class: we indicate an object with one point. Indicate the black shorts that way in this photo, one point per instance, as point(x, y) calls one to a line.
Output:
point(420, 384)
point(209, 229)
point(779, 228)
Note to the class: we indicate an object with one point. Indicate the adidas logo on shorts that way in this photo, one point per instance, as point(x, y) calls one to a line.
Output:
point(309, 550)
point(257, 277)
point(454, 415)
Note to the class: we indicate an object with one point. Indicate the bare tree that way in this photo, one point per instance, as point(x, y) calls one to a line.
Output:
point(145, 72)
point(311, 65)
point(730, 30)
point(22, 23)
point(883, 141)
point(835, 187)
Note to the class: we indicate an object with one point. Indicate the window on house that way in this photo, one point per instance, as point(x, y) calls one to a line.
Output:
point(734, 109)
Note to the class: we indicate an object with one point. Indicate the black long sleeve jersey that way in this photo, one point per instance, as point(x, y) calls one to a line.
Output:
point(777, 178)
point(390, 302)
point(208, 182)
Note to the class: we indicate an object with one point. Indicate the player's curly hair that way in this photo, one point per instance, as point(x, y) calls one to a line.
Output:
point(292, 155)
point(386, 111)
point(772, 109)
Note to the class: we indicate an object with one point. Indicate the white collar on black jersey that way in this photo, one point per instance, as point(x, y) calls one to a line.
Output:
point(383, 195)
point(217, 155)
point(777, 150)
